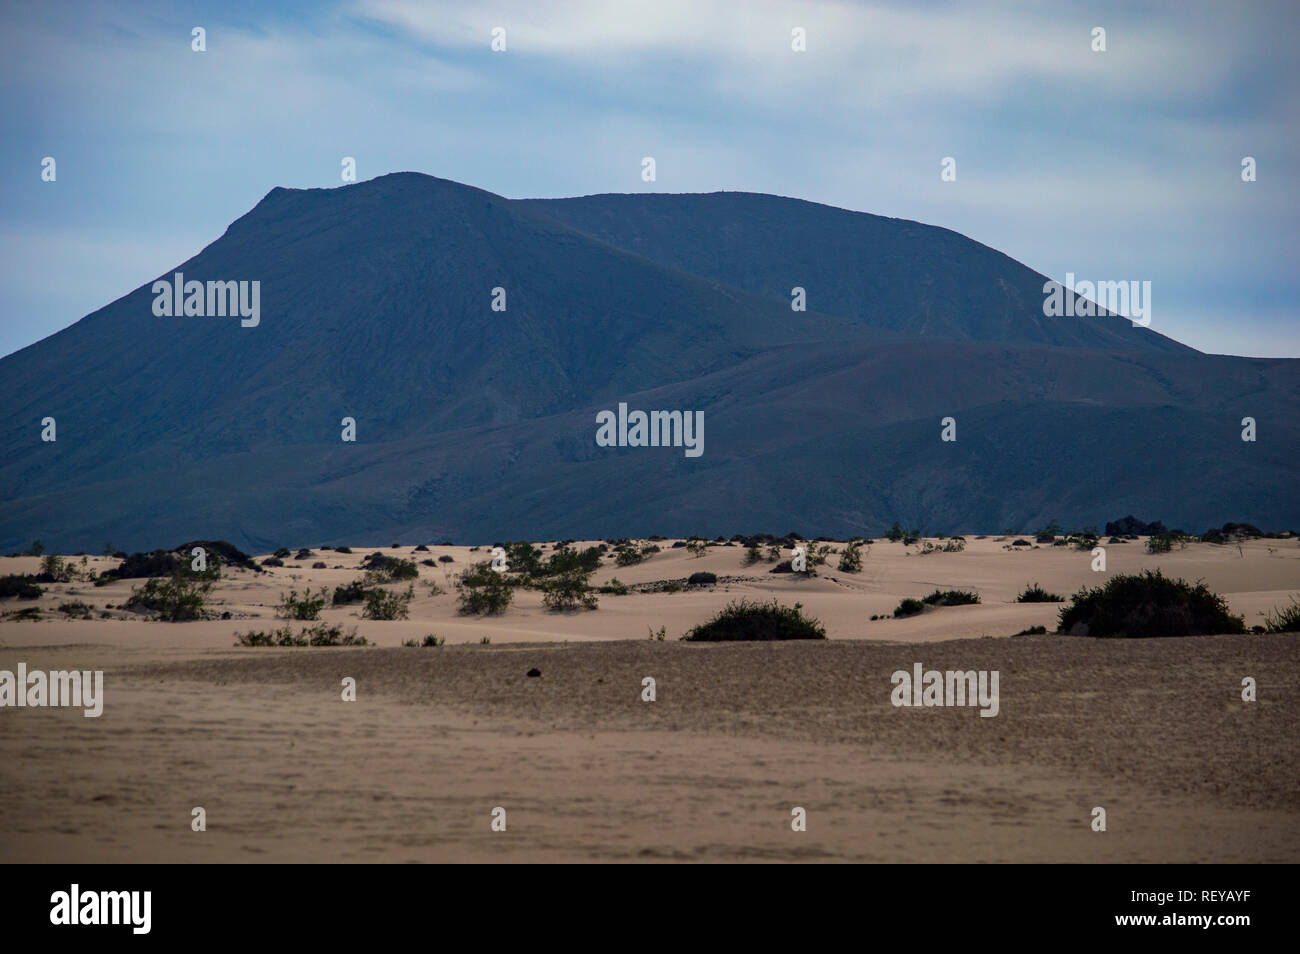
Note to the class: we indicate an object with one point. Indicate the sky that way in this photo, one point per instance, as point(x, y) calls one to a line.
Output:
point(1122, 164)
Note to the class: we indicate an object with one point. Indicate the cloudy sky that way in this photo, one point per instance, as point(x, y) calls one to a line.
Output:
point(1117, 165)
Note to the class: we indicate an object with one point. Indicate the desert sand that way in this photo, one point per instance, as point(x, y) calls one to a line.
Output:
point(1155, 731)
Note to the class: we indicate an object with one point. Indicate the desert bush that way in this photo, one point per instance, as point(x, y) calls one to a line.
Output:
point(281, 553)
point(141, 565)
point(703, 578)
point(429, 641)
point(175, 600)
point(385, 569)
point(753, 554)
point(1148, 604)
point(342, 549)
point(1036, 594)
point(318, 566)
point(385, 604)
point(76, 608)
point(483, 591)
point(568, 591)
point(446, 559)
point(749, 620)
point(1164, 542)
point(20, 585)
point(696, 547)
point(54, 569)
point(1032, 631)
point(272, 561)
point(615, 587)
point(851, 559)
point(354, 592)
point(568, 560)
point(908, 607)
point(318, 635)
point(305, 607)
point(1285, 619)
point(951, 598)
point(955, 545)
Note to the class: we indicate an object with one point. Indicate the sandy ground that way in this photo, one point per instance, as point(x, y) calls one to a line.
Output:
point(1154, 731)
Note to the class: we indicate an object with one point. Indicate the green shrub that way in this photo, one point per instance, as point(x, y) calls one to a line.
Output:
point(851, 559)
point(318, 635)
point(304, 607)
point(483, 591)
point(429, 640)
point(354, 592)
point(175, 600)
point(384, 604)
point(381, 568)
point(696, 547)
point(1032, 631)
point(1036, 594)
point(76, 608)
point(703, 578)
point(951, 598)
point(22, 586)
point(908, 607)
point(1148, 604)
point(1164, 542)
point(1285, 619)
point(568, 591)
point(748, 620)
point(615, 587)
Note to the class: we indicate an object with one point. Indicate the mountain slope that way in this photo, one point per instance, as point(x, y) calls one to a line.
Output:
point(887, 272)
point(476, 424)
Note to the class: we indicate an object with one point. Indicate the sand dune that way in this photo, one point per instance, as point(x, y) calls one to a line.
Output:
point(1152, 730)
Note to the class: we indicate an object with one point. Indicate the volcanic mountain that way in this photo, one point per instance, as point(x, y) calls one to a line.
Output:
point(475, 422)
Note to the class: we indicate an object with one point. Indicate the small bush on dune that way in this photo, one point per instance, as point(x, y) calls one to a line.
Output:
point(483, 591)
point(748, 620)
point(1032, 631)
point(429, 641)
point(908, 607)
point(703, 578)
point(175, 600)
point(19, 585)
point(383, 604)
point(385, 569)
point(354, 592)
point(1286, 619)
point(1148, 604)
point(318, 635)
point(615, 587)
point(1036, 594)
point(951, 598)
point(304, 607)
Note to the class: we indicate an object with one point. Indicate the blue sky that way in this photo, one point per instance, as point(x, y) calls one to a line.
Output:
point(1117, 165)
